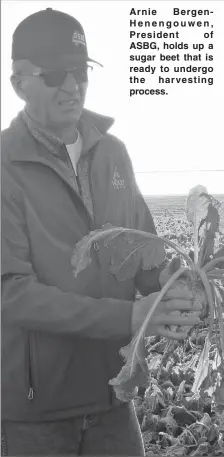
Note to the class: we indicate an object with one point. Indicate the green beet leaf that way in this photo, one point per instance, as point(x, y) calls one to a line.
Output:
point(81, 257)
point(129, 250)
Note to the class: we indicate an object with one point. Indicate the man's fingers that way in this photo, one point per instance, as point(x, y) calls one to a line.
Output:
point(162, 331)
point(173, 319)
point(179, 292)
point(182, 305)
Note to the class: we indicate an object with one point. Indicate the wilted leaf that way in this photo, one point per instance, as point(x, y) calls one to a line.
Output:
point(197, 208)
point(202, 449)
point(158, 347)
point(221, 293)
point(218, 303)
point(150, 422)
point(177, 450)
point(182, 416)
point(170, 423)
point(210, 228)
point(197, 205)
point(194, 403)
point(206, 420)
point(170, 393)
point(219, 394)
point(154, 363)
point(213, 433)
point(180, 390)
point(192, 364)
point(133, 374)
point(216, 360)
point(154, 397)
point(177, 375)
point(166, 384)
point(203, 365)
point(165, 440)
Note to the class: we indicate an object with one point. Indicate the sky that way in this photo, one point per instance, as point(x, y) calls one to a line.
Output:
point(175, 141)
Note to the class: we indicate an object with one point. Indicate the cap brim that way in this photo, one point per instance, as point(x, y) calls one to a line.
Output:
point(94, 61)
point(56, 62)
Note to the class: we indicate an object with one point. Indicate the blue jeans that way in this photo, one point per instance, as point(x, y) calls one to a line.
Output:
point(113, 433)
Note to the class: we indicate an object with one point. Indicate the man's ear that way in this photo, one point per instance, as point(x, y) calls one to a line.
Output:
point(18, 86)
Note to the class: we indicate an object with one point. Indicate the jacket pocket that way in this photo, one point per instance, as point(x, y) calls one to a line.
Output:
point(31, 369)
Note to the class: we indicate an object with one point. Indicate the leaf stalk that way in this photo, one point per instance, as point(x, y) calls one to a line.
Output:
point(141, 333)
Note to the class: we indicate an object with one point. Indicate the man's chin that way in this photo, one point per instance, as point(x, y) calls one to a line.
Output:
point(68, 119)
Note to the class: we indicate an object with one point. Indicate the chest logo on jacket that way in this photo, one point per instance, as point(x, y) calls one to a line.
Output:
point(117, 182)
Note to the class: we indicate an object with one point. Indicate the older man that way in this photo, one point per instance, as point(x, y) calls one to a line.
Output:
point(63, 175)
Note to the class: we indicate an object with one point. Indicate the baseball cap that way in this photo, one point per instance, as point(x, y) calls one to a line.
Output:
point(50, 39)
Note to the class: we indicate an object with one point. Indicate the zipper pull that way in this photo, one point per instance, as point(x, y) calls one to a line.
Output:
point(30, 394)
point(85, 424)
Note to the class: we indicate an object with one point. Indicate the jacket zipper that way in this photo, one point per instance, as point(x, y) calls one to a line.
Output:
point(30, 371)
point(76, 177)
point(110, 388)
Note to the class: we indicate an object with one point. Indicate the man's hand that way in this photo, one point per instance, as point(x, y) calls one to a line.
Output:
point(168, 312)
point(169, 270)
point(182, 282)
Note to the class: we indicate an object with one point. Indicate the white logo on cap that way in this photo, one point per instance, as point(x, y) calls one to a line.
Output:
point(78, 38)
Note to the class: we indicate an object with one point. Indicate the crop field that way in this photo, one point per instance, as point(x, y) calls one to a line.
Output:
point(177, 386)
point(174, 421)
point(169, 215)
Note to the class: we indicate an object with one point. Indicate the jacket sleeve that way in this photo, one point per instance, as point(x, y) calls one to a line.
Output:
point(146, 281)
point(28, 304)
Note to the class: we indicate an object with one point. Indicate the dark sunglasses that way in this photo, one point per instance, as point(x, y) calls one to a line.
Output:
point(53, 78)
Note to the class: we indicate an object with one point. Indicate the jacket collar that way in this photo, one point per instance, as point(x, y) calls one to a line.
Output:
point(92, 127)
point(52, 143)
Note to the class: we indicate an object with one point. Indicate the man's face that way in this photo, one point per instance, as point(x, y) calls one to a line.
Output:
point(55, 107)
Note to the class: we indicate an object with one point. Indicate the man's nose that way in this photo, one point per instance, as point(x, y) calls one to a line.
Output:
point(70, 83)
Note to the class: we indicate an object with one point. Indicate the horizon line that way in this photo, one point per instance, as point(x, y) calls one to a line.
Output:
point(177, 195)
point(179, 171)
